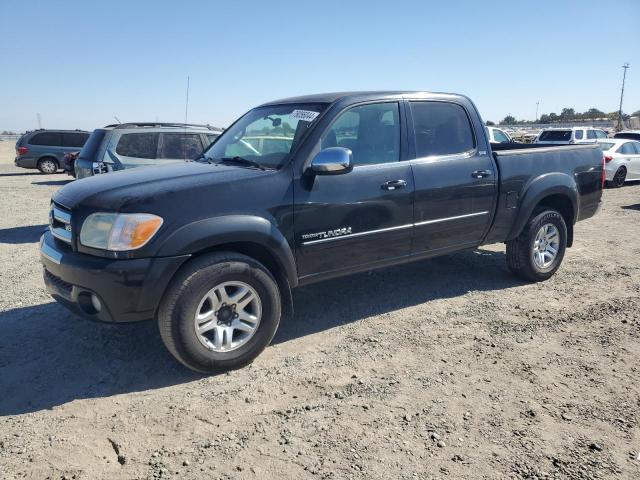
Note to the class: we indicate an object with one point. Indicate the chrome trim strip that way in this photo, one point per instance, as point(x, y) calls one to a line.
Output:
point(61, 216)
point(48, 252)
point(390, 229)
point(61, 234)
point(438, 220)
point(359, 234)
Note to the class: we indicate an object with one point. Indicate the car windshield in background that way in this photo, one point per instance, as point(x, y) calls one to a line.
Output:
point(606, 145)
point(265, 136)
point(555, 136)
point(629, 135)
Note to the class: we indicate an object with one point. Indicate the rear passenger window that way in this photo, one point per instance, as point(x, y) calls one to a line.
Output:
point(180, 145)
point(441, 129)
point(601, 134)
point(211, 138)
point(627, 149)
point(51, 139)
point(74, 139)
point(579, 134)
point(371, 132)
point(591, 134)
point(138, 145)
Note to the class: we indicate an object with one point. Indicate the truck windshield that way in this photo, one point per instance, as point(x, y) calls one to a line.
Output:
point(555, 136)
point(265, 136)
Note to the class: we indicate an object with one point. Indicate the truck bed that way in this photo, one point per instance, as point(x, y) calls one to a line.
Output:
point(526, 169)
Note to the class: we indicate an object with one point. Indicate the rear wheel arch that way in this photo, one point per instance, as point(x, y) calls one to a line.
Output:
point(556, 191)
point(563, 205)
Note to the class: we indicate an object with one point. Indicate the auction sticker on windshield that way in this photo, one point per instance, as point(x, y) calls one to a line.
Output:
point(305, 115)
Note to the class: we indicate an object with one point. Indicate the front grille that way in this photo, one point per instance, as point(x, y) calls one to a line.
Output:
point(58, 282)
point(60, 223)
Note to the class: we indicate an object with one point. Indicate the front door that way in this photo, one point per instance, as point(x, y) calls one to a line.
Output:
point(362, 218)
point(455, 181)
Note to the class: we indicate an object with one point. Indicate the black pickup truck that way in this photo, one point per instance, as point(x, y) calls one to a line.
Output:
point(302, 190)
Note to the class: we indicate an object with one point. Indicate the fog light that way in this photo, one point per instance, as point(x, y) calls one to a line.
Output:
point(95, 302)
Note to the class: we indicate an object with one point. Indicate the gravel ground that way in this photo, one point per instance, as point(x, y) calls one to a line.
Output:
point(449, 368)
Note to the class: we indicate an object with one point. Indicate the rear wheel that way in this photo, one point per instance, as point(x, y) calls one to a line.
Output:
point(48, 166)
point(619, 178)
point(220, 312)
point(536, 254)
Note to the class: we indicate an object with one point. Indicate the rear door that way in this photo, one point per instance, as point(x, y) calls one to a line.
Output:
point(48, 143)
point(634, 160)
point(364, 217)
point(455, 181)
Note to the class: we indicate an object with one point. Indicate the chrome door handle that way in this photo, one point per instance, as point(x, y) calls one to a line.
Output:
point(481, 173)
point(394, 184)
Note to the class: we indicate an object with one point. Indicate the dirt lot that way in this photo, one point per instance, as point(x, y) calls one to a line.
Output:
point(448, 368)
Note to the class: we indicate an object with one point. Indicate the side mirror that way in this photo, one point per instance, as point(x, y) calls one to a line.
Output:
point(332, 161)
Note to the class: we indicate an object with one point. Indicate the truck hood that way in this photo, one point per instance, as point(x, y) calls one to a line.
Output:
point(142, 186)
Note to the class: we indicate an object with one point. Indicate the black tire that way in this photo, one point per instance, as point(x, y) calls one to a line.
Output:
point(177, 310)
point(48, 165)
point(619, 178)
point(520, 250)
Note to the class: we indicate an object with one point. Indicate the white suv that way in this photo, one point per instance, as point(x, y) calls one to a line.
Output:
point(571, 135)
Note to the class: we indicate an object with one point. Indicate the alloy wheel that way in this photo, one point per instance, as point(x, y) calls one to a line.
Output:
point(546, 246)
point(228, 316)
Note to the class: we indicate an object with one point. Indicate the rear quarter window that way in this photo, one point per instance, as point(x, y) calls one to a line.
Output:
point(138, 145)
point(51, 139)
point(555, 136)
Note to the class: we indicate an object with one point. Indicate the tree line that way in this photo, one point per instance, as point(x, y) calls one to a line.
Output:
point(566, 115)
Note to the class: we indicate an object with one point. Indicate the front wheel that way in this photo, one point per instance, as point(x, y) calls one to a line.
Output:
point(220, 312)
point(536, 254)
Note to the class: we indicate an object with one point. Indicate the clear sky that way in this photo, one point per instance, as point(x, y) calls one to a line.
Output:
point(79, 63)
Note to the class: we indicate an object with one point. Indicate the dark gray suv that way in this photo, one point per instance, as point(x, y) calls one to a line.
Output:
point(45, 149)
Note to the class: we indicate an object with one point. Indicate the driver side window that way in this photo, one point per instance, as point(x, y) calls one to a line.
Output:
point(371, 132)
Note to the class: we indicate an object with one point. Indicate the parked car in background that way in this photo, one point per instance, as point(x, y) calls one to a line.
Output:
point(129, 145)
point(571, 135)
point(628, 134)
point(45, 149)
point(622, 160)
point(496, 135)
point(212, 248)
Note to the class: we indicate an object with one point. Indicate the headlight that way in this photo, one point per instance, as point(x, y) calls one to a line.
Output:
point(119, 231)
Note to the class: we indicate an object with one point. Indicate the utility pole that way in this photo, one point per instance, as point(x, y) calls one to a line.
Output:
point(537, 105)
point(186, 106)
point(624, 76)
point(39, 121)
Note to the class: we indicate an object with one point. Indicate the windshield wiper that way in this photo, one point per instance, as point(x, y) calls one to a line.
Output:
point(241, 161)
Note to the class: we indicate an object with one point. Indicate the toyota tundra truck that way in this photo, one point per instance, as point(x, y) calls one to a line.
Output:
point(302, 190)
